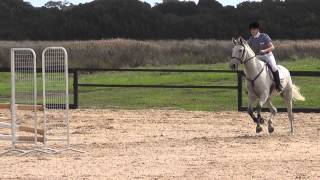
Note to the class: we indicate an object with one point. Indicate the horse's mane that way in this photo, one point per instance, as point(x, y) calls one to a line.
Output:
point(251, 52)
point(249, 49)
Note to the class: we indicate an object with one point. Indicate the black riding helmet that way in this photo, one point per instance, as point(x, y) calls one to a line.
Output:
point(254, 25)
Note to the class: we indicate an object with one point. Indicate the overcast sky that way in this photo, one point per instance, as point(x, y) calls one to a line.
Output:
point(42, 2)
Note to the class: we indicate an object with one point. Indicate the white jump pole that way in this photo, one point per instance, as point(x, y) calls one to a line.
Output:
point(21, 128)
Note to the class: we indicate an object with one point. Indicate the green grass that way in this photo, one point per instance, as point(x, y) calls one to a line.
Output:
point(188, 99)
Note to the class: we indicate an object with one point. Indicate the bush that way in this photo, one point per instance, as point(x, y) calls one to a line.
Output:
point(121, 53)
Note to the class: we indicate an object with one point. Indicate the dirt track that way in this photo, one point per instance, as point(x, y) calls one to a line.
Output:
point(165, 144)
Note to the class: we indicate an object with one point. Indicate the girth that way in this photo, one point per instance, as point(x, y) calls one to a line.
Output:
point(256, 77)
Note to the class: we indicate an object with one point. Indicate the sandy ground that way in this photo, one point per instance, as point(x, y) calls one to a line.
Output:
point(166, 144)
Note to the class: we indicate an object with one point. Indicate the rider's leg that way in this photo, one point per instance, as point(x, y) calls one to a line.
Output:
point(277, 80)
point(272, 62)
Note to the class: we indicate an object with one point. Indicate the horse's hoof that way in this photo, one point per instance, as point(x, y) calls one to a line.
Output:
point(258, 129)
point(270, 129)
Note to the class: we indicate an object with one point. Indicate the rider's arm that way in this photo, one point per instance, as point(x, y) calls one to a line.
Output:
point(270, 46)
point(269, 49)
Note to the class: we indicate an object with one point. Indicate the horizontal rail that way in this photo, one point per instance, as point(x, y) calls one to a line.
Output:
point(39, 70)
point(5, 70)
point(23, 107)
point(156, 70)
point(297, 110)
point(21, 138)
point(158, 86)
point(72, 70)
point(293, 73)
point(4, 125)
point(305, 73)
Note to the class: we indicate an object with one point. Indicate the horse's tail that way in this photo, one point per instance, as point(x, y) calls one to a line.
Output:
point(297, 96)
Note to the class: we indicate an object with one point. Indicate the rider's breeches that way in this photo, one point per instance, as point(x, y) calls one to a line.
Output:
point(269, 58)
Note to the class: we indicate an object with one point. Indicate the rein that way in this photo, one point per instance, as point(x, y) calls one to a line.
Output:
point(242, 56)
point(244, 62)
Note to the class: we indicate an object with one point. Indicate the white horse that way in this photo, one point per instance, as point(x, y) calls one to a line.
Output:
point(260, 84)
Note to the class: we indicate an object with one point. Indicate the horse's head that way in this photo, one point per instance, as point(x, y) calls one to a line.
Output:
point(239, 53)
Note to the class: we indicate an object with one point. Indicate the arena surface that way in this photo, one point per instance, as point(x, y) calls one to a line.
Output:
point(167, 144)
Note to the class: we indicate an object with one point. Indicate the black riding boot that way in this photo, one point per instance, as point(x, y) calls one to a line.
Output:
point(277, 80)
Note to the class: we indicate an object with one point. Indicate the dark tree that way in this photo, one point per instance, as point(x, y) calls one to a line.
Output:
point(290, 19)
point(209, 4)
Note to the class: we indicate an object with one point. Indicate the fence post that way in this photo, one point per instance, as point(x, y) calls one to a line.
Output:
point(75, 89)
point(240, 73)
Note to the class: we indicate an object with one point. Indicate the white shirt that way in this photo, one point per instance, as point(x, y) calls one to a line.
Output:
point(257, 35)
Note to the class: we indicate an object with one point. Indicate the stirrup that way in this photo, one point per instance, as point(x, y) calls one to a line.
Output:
point(279, 88)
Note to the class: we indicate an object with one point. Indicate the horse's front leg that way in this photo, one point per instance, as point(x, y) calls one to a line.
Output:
point(252, 99)
point(262, 100)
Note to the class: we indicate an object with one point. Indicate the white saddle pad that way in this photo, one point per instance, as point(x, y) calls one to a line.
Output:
point(282, 71)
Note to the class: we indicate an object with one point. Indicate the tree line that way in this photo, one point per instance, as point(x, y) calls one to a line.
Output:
point(207, 19)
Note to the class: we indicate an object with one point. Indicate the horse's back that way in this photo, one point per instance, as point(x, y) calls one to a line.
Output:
point(283, 72)
point(285, 76)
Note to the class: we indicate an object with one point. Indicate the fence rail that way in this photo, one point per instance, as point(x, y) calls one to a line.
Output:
point(156, 86)
point(239, 86)
point(76, 73)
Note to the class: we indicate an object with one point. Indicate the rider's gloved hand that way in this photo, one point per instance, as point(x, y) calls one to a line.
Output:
point(262, 52)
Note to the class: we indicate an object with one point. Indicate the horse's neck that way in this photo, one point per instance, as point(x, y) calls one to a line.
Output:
point(252, 68)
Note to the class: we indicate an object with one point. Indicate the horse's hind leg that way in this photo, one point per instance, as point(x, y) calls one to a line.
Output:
point(290, 114)
point(287, 95)
point(273, 112)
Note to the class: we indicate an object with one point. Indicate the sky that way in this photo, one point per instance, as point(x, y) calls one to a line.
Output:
point(42, 2)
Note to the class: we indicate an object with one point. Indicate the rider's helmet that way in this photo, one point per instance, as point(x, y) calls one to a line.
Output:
point(254, 25)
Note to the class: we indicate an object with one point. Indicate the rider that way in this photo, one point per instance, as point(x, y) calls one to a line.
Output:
point(262, 45)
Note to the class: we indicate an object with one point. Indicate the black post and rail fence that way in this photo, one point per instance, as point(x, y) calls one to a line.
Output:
point(238, 87)
point(76, 73)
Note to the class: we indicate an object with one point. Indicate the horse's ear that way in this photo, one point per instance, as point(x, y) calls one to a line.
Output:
point(234, 41)
point(242, 41)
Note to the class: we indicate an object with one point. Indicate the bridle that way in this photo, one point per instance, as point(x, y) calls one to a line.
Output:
point(244, 61)
point(242, 56)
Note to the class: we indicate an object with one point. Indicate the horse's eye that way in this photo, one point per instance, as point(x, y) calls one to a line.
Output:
point(240, 50)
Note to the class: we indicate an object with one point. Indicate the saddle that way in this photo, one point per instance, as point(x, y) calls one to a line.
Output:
point(269, 71)
point(281, 76)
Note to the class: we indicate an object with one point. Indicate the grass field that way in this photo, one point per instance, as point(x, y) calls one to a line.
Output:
point(188, 99)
